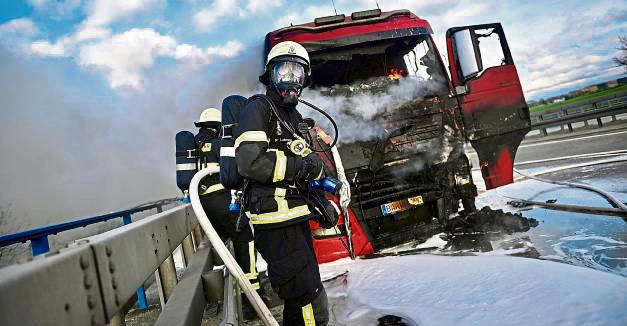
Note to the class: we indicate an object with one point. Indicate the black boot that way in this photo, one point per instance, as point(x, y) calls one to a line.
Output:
point(248, 312)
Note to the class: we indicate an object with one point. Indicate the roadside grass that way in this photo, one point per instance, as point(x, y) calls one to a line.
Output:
point(540, 108)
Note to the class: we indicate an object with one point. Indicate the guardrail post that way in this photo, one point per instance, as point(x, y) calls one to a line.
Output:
point(188, 249)
point(232, 299)
point(198, 234)
point(166, 279)
point(40, 245)
point(142, 303)
point(599, 123)
point(543, 132)
point(166, 276)
point(570, 127)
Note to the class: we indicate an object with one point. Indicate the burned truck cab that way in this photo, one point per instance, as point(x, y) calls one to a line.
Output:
point(402, 124)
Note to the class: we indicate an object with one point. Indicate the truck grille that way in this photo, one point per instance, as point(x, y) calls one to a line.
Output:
point(369, 193)
point(374, 190)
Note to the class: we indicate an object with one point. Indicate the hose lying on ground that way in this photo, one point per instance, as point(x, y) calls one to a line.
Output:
point(611, 199)
point(571, 208)
point(619, 210)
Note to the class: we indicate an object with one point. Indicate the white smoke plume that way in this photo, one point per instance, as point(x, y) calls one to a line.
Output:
point(356, 114)
point(68, 152)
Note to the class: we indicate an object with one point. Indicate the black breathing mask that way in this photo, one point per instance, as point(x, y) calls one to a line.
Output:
point(288, 78)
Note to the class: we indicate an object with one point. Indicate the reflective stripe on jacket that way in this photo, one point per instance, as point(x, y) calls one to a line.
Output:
point(264, 159)
point(208, 149)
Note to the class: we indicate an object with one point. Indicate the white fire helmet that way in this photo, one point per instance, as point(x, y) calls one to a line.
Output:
point(210, 115)
point(287, 51)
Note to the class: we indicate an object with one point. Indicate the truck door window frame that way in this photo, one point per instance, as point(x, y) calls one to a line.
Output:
point(460, 79)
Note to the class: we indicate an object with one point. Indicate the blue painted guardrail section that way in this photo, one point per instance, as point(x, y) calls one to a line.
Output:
point(39, 236)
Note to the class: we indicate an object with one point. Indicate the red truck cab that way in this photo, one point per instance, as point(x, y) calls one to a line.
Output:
point(482, 102)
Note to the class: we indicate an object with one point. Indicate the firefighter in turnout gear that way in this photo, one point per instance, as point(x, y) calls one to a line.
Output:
point(215, 200)
point(272, 200)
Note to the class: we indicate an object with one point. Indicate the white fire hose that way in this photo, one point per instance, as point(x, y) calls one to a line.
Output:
point(345, 198)
point(230, 263)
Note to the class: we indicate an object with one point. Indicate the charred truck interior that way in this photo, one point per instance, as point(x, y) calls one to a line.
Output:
point(413, 175)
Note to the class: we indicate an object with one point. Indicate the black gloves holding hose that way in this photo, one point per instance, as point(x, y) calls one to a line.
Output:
point(311, 169)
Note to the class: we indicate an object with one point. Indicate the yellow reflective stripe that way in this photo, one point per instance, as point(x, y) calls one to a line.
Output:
point(279, 197)
point(206, 165)
point(251, 136)
point(277, 217)
point(213, 188)
point(308, 315)
point(283, 212)
point(251, 256)
point(237, 290)
point(280, 165)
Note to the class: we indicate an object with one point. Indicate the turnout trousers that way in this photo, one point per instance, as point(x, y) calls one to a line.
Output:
point(224, 222)
point(293, 273)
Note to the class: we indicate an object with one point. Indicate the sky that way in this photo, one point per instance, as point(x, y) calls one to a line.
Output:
point(93, 91)
point(557, 45)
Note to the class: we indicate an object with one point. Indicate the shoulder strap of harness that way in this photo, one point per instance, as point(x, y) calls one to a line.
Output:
point(274, 117)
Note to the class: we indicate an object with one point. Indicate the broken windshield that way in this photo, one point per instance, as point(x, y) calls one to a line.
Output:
point(394, 59)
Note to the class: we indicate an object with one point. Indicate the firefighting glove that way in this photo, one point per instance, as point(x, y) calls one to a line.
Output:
point(331, 216)
point(327, 213)
point(311, 169)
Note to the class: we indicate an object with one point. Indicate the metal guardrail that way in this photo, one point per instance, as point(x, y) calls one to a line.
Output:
point(39, 236)
point(595, 108)
point(91, 281)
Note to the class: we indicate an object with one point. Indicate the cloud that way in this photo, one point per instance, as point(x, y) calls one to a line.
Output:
point(576, 51)
point(206, 18)
point(44, 48)
point(124, 57)
point(304, 15)
point(100, 14)
point(56, 9)
point(256, 6)
point(20, 26)
point(88, 33)
point(104, 12)
point(229, 50)
point(221, 11)
point(16, 34)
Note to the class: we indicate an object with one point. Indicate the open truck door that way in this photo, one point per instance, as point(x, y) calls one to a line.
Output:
point(494, 111)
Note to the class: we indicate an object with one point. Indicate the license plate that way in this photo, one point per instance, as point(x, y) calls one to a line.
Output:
point(401, 205)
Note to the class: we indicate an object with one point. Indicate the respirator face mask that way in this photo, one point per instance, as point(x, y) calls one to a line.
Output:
point(289, 78)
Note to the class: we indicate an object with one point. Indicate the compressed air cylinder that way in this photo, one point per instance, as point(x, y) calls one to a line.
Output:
point(231, 107)
point(185, 159)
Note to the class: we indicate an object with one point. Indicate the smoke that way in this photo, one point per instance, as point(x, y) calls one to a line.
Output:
point(68, 150)
point(357, 108)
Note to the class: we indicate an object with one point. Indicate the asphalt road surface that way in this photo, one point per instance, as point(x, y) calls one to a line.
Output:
point(568, 145)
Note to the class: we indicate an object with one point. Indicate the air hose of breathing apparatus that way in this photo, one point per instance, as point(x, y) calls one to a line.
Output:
point(312, 191)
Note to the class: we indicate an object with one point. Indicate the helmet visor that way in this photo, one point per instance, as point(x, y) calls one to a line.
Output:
point(288, 72)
